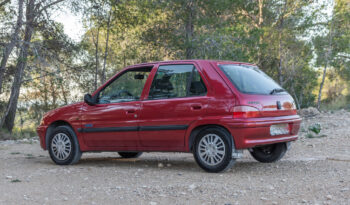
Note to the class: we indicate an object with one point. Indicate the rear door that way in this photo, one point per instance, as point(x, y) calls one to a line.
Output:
point(177, 97)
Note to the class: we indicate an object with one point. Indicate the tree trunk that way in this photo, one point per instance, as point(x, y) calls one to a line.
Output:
point(279, 69)
point(96, 57)
point(322, 83)
point(189, 29)
point(326, 65)
point(64, 94)
point(260, 22)
point(280, 66)
point(14, 40)
point(103, 78)
point(10, 113)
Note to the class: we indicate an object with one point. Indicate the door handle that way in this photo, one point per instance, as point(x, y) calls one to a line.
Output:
point(196, 107)
point(130, 111)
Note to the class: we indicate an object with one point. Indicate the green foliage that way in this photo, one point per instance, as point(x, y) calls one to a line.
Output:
point(340, 102)
point(314, 131)
point(15, 181)
point(315, 128)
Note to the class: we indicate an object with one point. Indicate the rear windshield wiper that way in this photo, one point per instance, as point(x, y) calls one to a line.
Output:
point(277, 90)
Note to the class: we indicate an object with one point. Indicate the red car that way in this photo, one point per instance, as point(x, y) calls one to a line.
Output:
point(214, 109)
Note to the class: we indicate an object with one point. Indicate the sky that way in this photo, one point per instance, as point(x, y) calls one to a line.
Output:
point(72, 23)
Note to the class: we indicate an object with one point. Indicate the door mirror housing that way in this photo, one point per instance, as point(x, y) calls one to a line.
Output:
point(88, 99)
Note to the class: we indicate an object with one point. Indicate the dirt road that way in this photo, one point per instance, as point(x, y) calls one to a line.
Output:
point(314, 171)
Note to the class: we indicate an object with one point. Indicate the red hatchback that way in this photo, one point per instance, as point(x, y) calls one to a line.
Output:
point(214, 109)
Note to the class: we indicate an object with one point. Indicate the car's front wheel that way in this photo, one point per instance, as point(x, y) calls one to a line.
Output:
point(212, 150)
point(269, 153)
point(63, 146)
point(130, 154)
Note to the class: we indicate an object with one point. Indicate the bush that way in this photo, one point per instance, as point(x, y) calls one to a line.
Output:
point(315, 128)
point(314, 131)
point(341, 102)
point(17, 133)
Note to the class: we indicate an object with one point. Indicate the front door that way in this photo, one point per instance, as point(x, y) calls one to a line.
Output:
point(113, 122)
point(176, 98)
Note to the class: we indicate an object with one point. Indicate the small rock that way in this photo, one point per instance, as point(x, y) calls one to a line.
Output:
point(153, 203)
point(284, 180)
point(303, 201)
point(274, 203)
point(160, 165)
point(8, 177)
point(345, 189)
point(329, 197)
point(192, 186)
point(311, 145)
point(263, 198)
point(168, 165)
point(65, 199)
point(270, 187)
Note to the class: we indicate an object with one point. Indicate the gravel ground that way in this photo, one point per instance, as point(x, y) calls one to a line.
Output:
point(314, 171)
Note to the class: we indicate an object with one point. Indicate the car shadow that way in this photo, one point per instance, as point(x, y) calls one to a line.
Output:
point(188, 165)
point(180, 164)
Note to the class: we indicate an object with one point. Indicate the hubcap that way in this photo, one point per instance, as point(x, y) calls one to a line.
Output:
point(211, 149)
point(61, 146)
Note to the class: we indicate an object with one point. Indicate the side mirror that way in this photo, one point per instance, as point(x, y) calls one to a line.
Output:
point(89, 100)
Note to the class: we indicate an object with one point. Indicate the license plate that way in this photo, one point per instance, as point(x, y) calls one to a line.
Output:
point(279, 129)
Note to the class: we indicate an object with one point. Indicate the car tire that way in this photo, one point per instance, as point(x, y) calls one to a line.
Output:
point(130, 154)
point(269, 153)
point(213, 150)
point(64, 146)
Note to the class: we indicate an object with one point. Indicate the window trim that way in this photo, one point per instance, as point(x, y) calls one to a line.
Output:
point(97, 95)
point(188, 83)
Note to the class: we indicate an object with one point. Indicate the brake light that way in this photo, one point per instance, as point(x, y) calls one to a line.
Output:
point(245, 112)
point(294, 108)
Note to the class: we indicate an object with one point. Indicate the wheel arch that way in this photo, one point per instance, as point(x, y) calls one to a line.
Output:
point(52, 127)
point(195, 131)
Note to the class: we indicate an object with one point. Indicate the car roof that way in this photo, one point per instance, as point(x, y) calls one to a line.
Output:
point(218, 62)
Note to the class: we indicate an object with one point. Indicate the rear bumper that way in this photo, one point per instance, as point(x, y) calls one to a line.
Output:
point(41, 130)
point(252, 132)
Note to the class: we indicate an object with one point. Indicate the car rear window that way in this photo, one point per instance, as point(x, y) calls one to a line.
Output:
point(249, 79)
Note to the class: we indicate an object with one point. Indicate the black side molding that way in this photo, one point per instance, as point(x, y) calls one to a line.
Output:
point(130, 129)
point(107, 129)
point(163, 127)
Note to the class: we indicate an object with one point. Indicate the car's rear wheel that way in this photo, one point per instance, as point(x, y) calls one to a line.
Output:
point(269, 153)
point(130, 154)
point(212, 150)
point(63, 146)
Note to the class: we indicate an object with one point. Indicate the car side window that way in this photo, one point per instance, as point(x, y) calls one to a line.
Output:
point(127, 87)
point(176, 81)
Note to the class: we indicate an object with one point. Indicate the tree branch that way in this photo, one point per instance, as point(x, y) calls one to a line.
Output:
point(343, 56)
point(4, 2)
point(49, 5)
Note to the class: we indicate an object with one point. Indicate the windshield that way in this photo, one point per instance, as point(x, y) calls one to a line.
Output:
point(251, 80)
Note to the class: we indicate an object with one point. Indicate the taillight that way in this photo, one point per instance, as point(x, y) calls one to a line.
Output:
point(294, 108)
point(245, 112)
